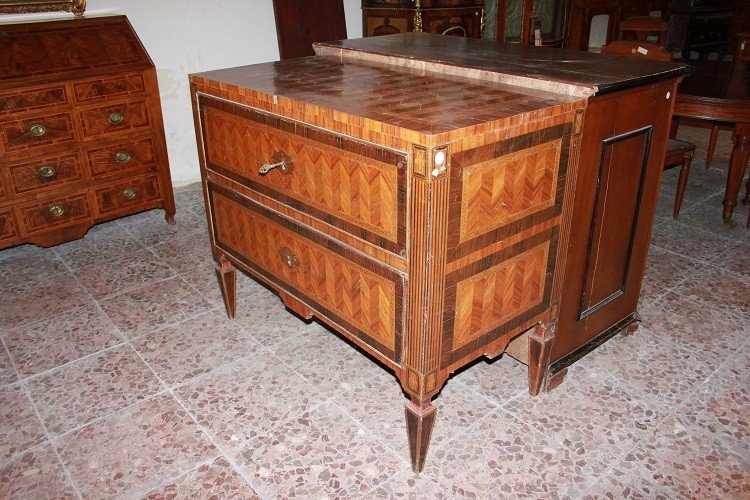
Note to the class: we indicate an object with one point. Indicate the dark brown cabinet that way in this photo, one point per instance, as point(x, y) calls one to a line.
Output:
point(442, 17)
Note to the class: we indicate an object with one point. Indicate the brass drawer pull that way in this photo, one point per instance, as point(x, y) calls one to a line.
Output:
point(288, 257)
point(37, 130)
point(280, 161)
point(129, 193)
point(47, 171)
point(56, 211)
point(123, 157)
point(116, 118)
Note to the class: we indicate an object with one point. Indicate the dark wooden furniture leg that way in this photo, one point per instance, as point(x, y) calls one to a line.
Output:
point(682, 183)
point(228, 281)
point(420, 418)
point(712, 144)
point(737, 166)
point(540, 346)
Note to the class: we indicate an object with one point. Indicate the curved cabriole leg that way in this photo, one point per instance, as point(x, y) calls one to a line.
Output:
point(228, 281)
point(540, 346)
point(420, 418)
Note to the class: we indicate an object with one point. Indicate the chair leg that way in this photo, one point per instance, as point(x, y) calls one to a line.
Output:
point(682, 183)
point(673, 128)
point(712, 144)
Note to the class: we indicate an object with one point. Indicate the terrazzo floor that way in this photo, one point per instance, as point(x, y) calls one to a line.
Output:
point(120, 376)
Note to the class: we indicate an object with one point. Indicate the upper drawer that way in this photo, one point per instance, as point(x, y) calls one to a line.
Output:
point(36, 131)
point(44, 173)
point(355, 186)
point(361, 295)
point(126, 155)
point(115, 118)
point(28, 100)
point(92, 90)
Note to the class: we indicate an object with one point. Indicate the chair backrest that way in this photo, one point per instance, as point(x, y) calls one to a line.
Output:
point(299, 24)
point(641, 27)
point(636, 50)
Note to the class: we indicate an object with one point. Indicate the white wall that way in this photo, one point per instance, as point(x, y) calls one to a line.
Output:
point(187, 36)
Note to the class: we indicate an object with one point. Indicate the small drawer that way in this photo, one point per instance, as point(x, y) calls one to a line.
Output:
point(121, 156)
point(53, 214)
point(108, 88)
point(8, 227)
point(115, 118)
point(132, 195)
point(44, 173)
point(42, 130)
point(362, 295)
point(28, 100)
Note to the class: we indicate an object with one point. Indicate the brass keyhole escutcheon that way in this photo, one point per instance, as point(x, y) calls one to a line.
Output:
point(56, 211)
point(37, 130)
point(288, 257)
point(123, 157)
point(47, 171)
point(129, 193)
point(116, 118)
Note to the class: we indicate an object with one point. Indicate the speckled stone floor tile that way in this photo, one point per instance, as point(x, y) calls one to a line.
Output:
point(36, 300)
point(408, 485)
point(91, 388)
point(689, 463)
point(217, 480)
point(150, 228)
point(503, 457)
point(264, 317)
point(35, 474)
point(28, 263)
point(195, 347)
point(202, 277)
point(499, 380)
point(720, 289)
point(8, 374)
point(617, 485)
point(104, 242)
point(326, 361)
point(318, 454)
point(132, 453)
point(685, 240)
point(20, 428)
point(185, 251)
point(42, 346)
point(248, 398)
point(736, 259)
point(154, 306)
point(708, 215)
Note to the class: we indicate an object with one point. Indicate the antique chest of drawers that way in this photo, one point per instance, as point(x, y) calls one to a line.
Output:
point(81, 133)
point(417, 193)
point(442, 17)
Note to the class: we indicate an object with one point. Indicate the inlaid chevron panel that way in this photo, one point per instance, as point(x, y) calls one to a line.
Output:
point(493, 297)
point(25, 100)
point(358, 295)
point(360, 190)
point(500, 190)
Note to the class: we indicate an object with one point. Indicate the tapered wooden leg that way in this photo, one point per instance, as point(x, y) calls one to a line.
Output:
point(420, 418)
point(712, 144)
point(673, 128)
point(682, 184)
point(169, 217)
point(540, 346)
point(228, 281)
point(746, 199)
point(737, 165)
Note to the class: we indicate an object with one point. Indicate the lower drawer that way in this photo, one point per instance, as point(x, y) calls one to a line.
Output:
point(44, 173)
point(54, 214)
point(362, 296)
point(121, 156)
point(131, 195)
point(8, 227)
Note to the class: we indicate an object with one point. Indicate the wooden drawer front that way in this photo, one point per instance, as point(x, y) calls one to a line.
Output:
point(54, 214)
point(3, 192)
point(364, 297)
point(506, 187)
point(27, 100)
point(139, 193)
point(43, 173)
point(487, 298)
point(109, 87)
point(115, 118)
point(357, 187)
point(42, 130)
point(122, 156)
point(8, 228)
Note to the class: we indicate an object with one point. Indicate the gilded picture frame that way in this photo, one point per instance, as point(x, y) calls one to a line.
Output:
point(76, 7)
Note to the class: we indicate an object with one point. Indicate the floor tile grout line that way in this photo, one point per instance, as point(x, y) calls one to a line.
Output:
point(143, 493)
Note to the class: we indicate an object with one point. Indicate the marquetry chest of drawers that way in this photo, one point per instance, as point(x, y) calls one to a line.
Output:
point(81, 133)
point(417, 193)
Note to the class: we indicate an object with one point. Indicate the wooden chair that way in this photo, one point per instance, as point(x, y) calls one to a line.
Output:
point(640, 28)
point(300, 24)
point(679, 153)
